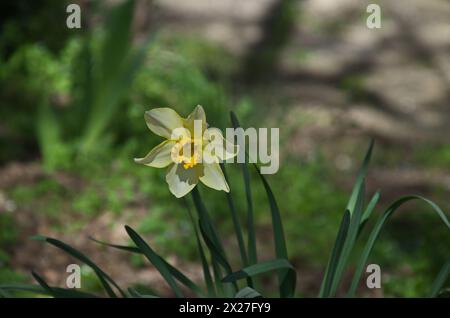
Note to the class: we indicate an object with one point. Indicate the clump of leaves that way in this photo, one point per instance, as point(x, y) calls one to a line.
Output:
point(219, 278)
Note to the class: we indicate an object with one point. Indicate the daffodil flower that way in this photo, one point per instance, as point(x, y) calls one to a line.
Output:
point(192, 151)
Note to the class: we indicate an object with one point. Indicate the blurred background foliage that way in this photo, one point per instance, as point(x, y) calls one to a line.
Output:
point(71, 122)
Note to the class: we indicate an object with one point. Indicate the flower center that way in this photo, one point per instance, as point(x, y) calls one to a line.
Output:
point(186, 152)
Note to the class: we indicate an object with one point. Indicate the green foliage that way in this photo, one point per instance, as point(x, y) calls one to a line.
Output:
point(73, 97)
point(354, 86)
point(171, 80)
point(434, 156)
point(40, 16)
point(30, 74)
point(303, 206)
point(411, 254)
point(353, 220)
point(223, 281)
point(46, 197)
point(9, 276)
point(8, 235)
point(8, 231)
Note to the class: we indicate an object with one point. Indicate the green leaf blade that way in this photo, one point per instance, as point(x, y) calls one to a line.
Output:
point(155, 259)
point(251, 236)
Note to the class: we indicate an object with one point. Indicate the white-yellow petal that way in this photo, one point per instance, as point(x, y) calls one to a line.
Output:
point(218, 145)
point(162, 121)
point(158, 157)
point(214, 178)
point(197, 114)
point(180, 180)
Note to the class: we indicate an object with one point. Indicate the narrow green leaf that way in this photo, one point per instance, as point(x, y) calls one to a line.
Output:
point(24, 288)
point(43, 284)
point(217, 255)
point(83, 84)
point(339, 257)
point(118, 68)
point(134, 293)
point(117, 40)
point(444, 291)
point(210, 231)
point(335, 254)
point(175, 272)
point(352, 233)
point(257, 269)
point(248, 292)
point(278, 232)
point(376, 232)
point(155, 259)
point(213, 248)
point(206, 273)
point(360, 179)
point(282, 266)
point(206, 220)
point(217, 272)
point(440, 280)
point(217, 259)
point(104, 278)
point(131, 249)
point(236, 222)
point(251, 240)
point(237, 225)
point(55, 292)
point(370, 208)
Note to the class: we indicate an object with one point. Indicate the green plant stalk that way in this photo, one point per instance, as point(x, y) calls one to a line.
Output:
point(217, 277)
point(218, 255)
point(237, 227)
point(210, 236)
point(206, 273)
point(251, 239)
point(205, 217)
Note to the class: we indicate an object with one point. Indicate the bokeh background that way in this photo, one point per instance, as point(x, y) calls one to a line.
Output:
point(71, 122)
